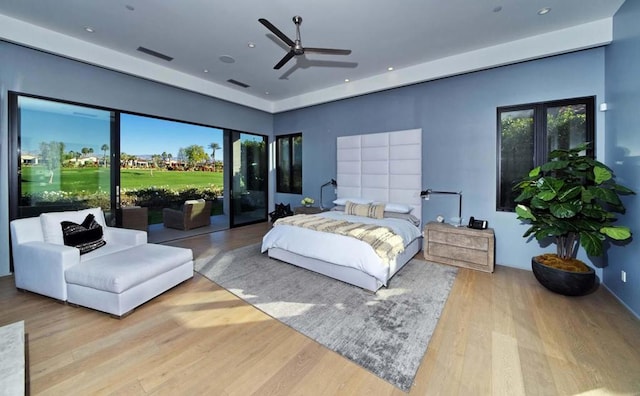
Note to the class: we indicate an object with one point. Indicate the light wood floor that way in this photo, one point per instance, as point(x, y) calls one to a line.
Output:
point(500, 334)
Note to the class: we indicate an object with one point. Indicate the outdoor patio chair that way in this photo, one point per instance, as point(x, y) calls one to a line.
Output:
point(193, 214)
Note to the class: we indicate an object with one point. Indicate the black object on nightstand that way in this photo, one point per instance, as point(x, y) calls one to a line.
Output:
point(281, 211)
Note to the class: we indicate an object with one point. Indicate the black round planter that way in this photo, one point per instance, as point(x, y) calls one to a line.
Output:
point(564, 282)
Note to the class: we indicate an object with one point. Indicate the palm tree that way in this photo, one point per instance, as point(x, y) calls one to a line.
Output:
point(124, 160)
point(104, 148)
point(214, 147)
point(164, 158)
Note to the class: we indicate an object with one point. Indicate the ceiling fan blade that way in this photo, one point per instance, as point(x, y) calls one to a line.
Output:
point(284, 60)
point(332, 51)
point(277, 32)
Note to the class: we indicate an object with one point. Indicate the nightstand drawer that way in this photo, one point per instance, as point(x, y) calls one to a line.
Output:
point(463, 241)
point(457, 253)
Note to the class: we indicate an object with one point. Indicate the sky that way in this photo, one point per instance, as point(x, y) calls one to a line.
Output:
point(80, 127)
point(145, 136)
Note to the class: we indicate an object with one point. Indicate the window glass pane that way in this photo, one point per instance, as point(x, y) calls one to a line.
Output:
point(516, 151)
point(289, 164)
point(296, 171)
point(283, 165)
point(249, 200)
point(566, 126)
point(64, 156)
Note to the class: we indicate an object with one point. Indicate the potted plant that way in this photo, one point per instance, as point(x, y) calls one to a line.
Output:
point(307, 202)
point(573, 199)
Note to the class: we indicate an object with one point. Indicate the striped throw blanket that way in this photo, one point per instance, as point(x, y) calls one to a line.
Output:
point(383, 240)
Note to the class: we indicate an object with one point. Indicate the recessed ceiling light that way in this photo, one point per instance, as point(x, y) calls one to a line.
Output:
point(266, 92)
point(346, 80)
point(544, 11)
point(390, 68)
point(497, 8)
point(89, 29)
point(206, 70)
point(251, 45)
point(226, 59)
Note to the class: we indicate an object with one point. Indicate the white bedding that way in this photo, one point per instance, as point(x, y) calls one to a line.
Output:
point(338, 249)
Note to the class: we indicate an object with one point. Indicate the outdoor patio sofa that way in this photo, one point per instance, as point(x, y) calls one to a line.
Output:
point(121, 273)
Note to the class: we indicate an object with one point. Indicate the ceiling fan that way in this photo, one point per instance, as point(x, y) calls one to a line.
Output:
point(295, 47)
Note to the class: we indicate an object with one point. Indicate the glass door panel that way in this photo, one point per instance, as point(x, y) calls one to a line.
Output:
point(64, 161)
point(163, 163)
point(248, 178)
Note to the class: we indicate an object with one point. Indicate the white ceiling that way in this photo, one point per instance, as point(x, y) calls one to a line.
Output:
point(421, 39)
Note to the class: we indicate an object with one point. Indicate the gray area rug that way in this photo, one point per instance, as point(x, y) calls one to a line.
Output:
point(386, 333)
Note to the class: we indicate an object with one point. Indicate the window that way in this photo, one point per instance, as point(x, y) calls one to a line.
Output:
point(289, 163)
point(527, 133)
point(64, 151)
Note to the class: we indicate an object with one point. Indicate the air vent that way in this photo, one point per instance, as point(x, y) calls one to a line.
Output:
point(238, 83)
point(156, 54)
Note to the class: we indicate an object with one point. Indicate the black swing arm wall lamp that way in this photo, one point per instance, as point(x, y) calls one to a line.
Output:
point(333, 183)
point(426, 193)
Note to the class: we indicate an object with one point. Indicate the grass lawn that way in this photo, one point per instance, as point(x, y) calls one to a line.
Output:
point(35, 179)
point(89, 180)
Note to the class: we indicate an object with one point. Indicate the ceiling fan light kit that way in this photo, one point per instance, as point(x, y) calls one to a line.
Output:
point(295, 47)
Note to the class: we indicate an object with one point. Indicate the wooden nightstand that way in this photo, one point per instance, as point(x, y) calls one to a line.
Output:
point(307, 210)
point(459, 246)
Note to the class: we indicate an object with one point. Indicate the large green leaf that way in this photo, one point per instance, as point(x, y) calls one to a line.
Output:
point(525, 195)
point(524, 213)
point(601, 174)
point(538, 203)
point(564, 210)
point(546, 195)
point(554, 165)
point(592, 243)
point(587, 196)
point(608, 196)
point(570, 193)
point(623, 190)
point(534, 172)
point(594, 213)
point(618, 233)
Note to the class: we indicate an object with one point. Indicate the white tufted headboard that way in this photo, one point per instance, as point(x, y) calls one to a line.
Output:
point(384, 167)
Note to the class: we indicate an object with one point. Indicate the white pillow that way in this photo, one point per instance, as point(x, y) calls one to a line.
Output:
point(50, 222)
point(343, 201)
point(397, 207)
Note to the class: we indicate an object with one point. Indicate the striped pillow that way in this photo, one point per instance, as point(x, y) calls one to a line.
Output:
point(364, 210)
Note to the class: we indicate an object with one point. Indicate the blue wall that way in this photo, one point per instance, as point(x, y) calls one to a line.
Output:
point(623, 145)
point(34, 72)
point(458, 119)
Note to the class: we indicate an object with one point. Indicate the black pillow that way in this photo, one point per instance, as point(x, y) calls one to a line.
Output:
point(86, 236)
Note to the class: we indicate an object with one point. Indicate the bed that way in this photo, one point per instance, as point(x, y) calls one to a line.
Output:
point(384, 168)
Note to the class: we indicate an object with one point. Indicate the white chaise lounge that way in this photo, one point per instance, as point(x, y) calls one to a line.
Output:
point(115, 278)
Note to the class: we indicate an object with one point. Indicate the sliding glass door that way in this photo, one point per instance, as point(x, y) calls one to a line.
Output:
point(69, 156)
point(64, 156)
point(248, 178)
